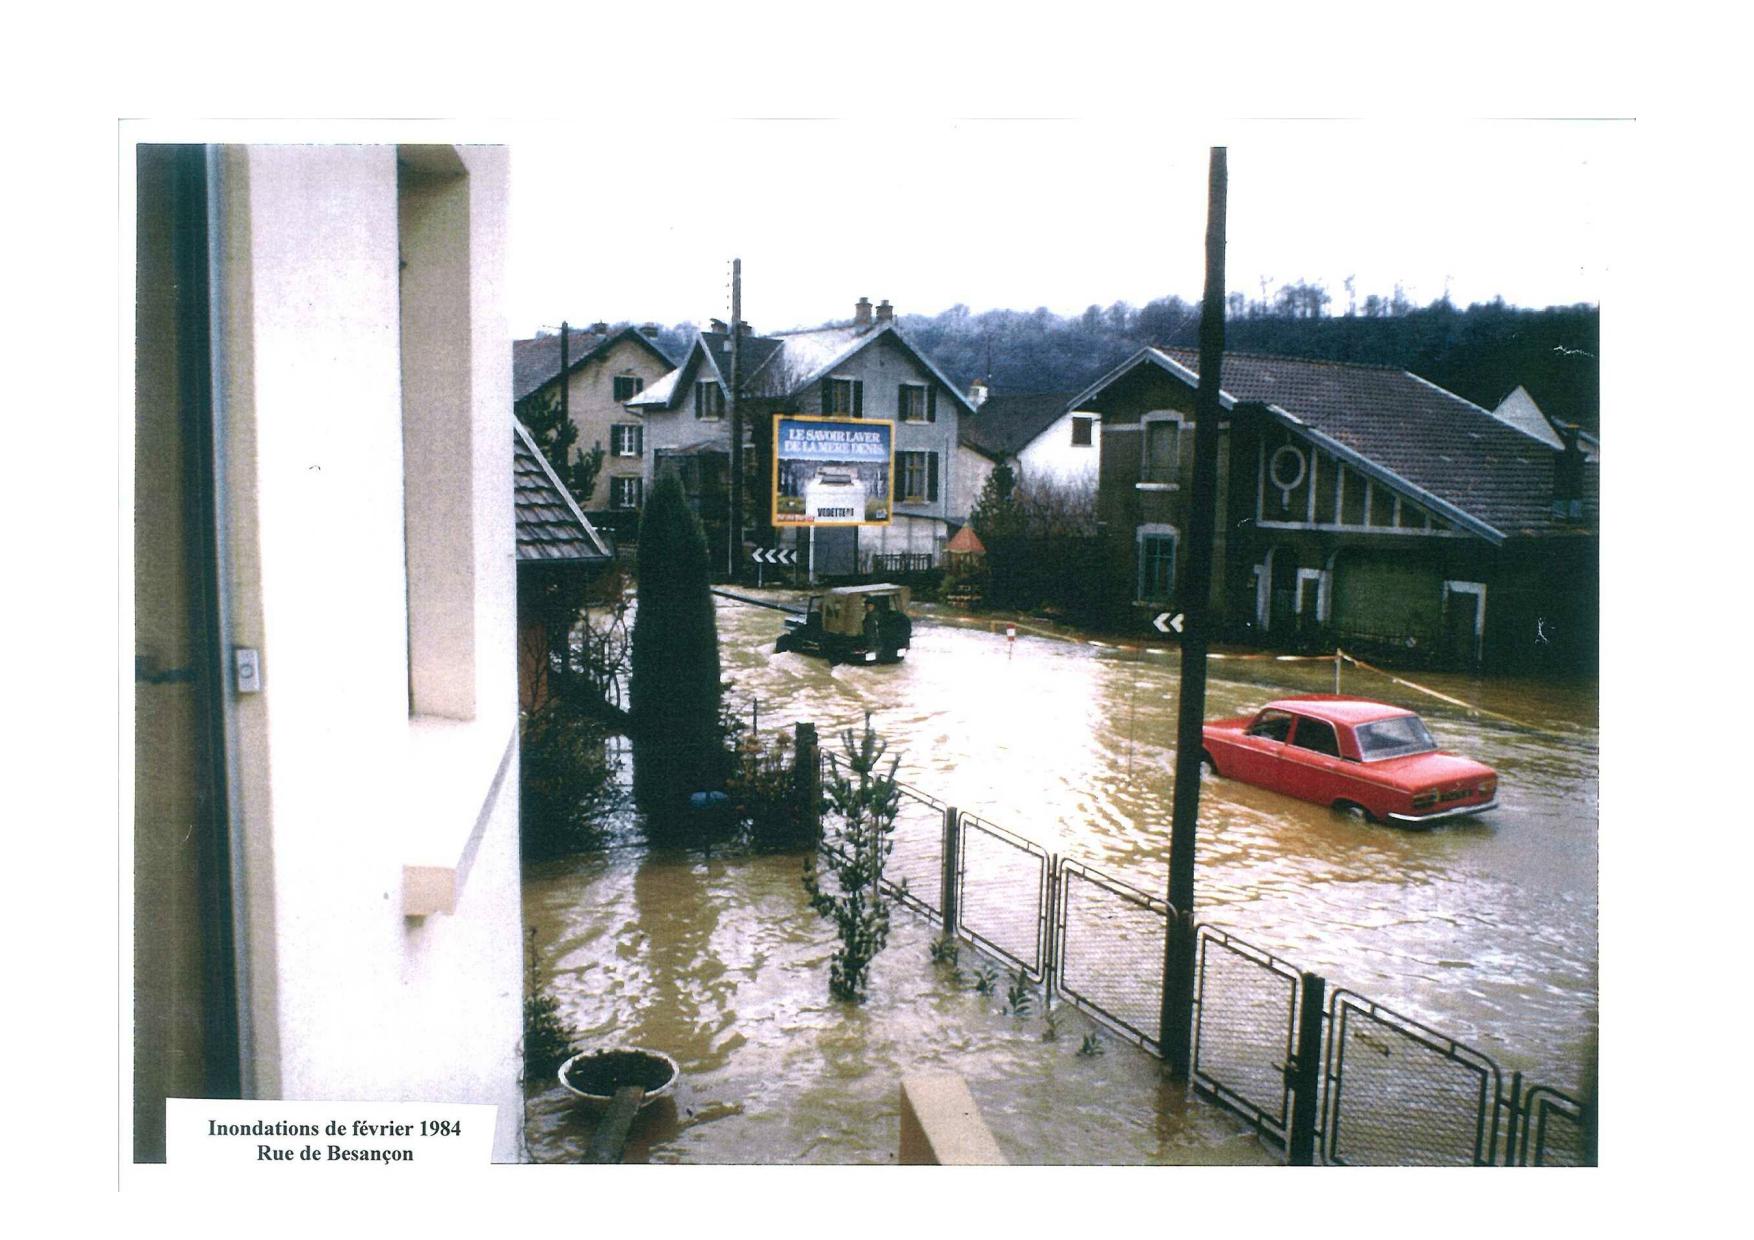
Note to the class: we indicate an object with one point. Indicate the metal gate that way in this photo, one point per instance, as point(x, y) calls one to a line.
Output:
point(914, 870)
point(1002, 894)
point(1398, 1093)
point(1108, 944)
point(1245, 1029)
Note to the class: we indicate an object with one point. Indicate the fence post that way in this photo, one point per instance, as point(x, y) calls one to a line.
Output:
point(1515, 1121)
point(947, 878)
point(807, 776)
point(1176, 1016)
point(1305, 1072)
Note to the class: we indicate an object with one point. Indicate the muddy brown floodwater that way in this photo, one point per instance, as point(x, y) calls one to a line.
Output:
point(1484, 929)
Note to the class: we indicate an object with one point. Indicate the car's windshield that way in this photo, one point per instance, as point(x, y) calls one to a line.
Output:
point(1393, 738)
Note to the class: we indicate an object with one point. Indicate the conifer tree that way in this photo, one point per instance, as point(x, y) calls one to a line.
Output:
point(674, 685)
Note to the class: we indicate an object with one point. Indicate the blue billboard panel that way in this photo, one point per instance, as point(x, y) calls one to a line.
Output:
point(831, 471)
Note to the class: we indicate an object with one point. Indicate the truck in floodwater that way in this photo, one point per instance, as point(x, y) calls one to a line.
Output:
point(852, 624)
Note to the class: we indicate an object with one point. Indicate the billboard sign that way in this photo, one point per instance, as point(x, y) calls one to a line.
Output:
point(831, 471)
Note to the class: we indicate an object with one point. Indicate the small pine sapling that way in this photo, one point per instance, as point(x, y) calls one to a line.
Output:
point(864, 800)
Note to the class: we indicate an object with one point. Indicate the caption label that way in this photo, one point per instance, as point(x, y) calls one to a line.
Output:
point(232, 1133)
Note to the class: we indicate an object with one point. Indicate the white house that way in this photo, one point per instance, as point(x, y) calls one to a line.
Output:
point(324, 861)
point(863, 369)
point(1040, 435)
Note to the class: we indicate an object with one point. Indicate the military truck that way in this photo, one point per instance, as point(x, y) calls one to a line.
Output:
point(852, 624)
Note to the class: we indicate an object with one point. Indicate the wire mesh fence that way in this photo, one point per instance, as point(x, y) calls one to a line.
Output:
point(1389, 1090)
point(915, 870)
point(1552, 1131)
point(1400, 1094)
point(1002, 884)
point(1108, 951)
point(1245, 1030)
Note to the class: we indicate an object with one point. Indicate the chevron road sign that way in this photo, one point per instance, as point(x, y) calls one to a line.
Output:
point(775, 555)
point(1166, 622)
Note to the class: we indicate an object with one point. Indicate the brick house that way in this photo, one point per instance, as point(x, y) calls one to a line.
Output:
point(1358, 505)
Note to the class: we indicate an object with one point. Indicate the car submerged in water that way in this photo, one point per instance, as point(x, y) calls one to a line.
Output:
point(1354, 755)
point(852, 624)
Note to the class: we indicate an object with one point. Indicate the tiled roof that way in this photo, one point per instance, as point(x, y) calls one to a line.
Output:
point(549, 524)
point(537, 361)
point(1444, 445)
point(1004, 424)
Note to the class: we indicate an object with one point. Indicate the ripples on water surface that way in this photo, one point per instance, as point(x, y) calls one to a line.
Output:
point(1484, 929)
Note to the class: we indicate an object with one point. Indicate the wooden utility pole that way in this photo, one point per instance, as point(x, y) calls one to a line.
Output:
point(565, 413)
point(1178, 958)
point(735, 537)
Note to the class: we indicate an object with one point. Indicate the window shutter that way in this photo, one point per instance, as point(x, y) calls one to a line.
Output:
point(931, 404)
point(931, 477)
point(638, 435)
point(858, 398)
point(901, 401)
point(828, 396)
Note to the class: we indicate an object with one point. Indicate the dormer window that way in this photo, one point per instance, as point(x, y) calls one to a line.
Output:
point(709, 401)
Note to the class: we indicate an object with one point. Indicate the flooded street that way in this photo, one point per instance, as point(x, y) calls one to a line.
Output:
point(1485, 929)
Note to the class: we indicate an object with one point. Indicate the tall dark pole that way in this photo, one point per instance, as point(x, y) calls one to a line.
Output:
point(735, 537)
point(565, 414)
point(1178, 960)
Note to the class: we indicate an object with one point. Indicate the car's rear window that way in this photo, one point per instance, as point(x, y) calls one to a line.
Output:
point(1393, 738)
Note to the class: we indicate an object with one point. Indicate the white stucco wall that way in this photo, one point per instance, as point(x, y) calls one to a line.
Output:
point(1052, 454)
point(342, 787)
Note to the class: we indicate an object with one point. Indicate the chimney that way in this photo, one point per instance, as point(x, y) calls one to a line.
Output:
point(600, 329)
point(745, 329)
point(649, 331)
point(885, 311)
point(718, 325)
point(862, 312)
point(977, 393)
point(1568, 475)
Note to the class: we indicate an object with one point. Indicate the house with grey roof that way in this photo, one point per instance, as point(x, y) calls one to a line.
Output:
point(1358, 505)
point(1040, 435)
point(559, 555)
point(603, 370)
point(865, 368)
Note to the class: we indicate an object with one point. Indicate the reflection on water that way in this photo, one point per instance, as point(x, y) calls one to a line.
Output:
point(1484, 929)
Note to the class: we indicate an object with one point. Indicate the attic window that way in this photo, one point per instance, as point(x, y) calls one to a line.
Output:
point(843, 396)
point(709, 400)
point(1081, 436)
point(915, 402)
point(628, 386)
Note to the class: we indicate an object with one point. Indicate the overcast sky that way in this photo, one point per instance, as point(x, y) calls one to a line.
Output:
point(1061, 214)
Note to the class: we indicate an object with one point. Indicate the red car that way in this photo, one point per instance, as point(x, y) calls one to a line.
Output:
point(1353, 755)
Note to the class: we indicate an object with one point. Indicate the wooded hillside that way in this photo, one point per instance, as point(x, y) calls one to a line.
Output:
point(1481, 353)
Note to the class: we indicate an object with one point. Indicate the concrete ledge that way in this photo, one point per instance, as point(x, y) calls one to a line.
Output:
point(447, 767)
point(941, 1126)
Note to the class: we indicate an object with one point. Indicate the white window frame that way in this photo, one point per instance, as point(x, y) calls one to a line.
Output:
point(619, 484)
point(624, 431)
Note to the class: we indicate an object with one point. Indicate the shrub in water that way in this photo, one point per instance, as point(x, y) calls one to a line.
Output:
point(864, 800)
